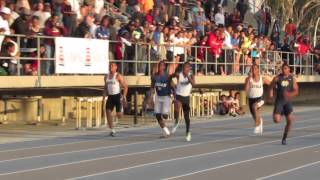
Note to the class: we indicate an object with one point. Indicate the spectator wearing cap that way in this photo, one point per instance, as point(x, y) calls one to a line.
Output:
point(4, 24)
point(43, 15)
point(21, 25)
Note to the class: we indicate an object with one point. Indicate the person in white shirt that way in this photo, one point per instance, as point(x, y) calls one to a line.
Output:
point(183, 88)
point(4, 24)
point(43, 15)
point(219, 17)
point(254, 88)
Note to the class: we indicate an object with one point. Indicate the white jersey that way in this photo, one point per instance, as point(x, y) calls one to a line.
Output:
point(113, 85)
point(184, 87)
point(256, 88)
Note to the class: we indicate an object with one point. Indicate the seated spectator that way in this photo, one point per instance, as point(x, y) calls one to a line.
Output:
point(222, 107)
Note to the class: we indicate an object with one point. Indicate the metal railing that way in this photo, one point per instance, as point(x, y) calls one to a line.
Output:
point(140, 58)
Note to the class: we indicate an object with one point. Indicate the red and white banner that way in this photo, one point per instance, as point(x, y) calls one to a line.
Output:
point(81, 56)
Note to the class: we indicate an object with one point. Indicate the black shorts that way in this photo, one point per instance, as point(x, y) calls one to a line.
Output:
point(185, 101)
point(252, 101)
point(114, 101)
point(283, 108)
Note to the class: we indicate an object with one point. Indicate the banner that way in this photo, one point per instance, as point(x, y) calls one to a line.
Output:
point(81, 56)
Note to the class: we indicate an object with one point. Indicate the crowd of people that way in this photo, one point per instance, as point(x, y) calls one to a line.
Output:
point(162, 29)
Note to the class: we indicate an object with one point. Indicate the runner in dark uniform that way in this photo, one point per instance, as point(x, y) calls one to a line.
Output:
point(160, 86)
point(286, 88)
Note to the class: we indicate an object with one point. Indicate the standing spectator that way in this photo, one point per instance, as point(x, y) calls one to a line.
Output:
point(146, 5)
point(242, 7)
point(275, 34)
point(69, 17)
point(4, 24)
point(55, 29)
point(200, 22)
point(261, 19)
point(14, 15)
point(219, 18)
point(268, 20)
point(303, 48)
point(21, 25)
point(290, 30)
point(75, 7)
point(34, 31)
point(43, 15)
point(235, 18)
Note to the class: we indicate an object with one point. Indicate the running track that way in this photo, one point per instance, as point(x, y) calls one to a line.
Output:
point(223, 149)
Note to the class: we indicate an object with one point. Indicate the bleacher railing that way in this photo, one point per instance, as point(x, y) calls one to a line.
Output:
point(141, 58)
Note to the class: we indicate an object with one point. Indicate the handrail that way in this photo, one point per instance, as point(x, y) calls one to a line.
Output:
point(232, 62)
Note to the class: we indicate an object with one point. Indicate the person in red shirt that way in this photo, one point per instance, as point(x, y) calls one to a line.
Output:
point(302, 58)
point(215, 42)
point(290, 30)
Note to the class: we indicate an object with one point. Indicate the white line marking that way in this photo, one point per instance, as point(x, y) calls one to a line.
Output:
point(240, 162)
point(289, 170)
point(145, 142)
point(101, 133)
point(154, 150)
point(181, 158)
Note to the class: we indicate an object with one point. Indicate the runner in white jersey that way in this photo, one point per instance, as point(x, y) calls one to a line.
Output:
point(254, 88)
point(112, 89)
point(183, 88)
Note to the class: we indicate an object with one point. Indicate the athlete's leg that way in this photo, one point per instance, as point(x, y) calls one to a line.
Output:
point(177, 109)
point(109, 118)
point(186, 114)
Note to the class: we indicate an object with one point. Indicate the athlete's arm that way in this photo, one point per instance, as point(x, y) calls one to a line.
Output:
point(272, 86)
point(105, 88)
point(247, 85)
point(124, 85)
point(191, 80)
point(172, 76)
point(288, 95)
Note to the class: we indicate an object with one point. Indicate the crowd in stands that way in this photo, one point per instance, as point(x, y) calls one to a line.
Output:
point(169, 27)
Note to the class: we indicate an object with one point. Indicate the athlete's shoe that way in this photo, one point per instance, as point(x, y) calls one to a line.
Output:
point(188, 137)
point(257, 130)
point(284, 142)
point(260, 103)
point(175, 127)
point(112, 133)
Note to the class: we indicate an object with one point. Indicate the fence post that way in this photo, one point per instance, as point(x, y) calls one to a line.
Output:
point(38, 61)
point(135, 119)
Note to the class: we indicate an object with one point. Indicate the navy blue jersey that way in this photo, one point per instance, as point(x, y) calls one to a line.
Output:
point(284, 84)
point(161, 84)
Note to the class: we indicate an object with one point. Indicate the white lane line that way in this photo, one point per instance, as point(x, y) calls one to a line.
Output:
point(289, 170)
point(240, 162)
point(145, 142)
point(154, 150)
point(116, 138)
point(133, 130)
point(181, 158)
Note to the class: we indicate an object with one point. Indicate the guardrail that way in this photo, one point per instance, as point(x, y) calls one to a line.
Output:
point(141, 58)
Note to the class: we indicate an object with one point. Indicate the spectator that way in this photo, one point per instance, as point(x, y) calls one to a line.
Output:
point(43, 15)
point(21, 25)
point(200, 22)
point(86, 28)
point(290, 30)
point(303, 48)
point(55, 29)
point(14, 15)
point(69, 17)
point(103, 31)
point(242, 7)
point(219, 18)
point(4, 24)
point(261, 18)
point(23, 4)
point(34, 31)
point(9, 66)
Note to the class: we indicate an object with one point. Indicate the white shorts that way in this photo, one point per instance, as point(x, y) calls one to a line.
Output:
point(162, 105)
